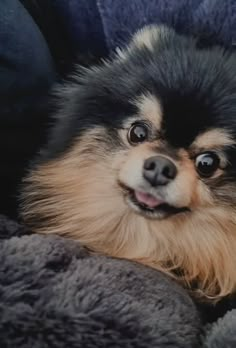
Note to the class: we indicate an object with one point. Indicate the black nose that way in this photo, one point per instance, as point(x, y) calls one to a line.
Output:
point(158, 170)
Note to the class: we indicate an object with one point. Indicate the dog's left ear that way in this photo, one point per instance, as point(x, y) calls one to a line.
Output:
point(150, 35)
point(147, 38)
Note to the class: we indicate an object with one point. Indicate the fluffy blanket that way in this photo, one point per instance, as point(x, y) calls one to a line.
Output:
point(53, 293)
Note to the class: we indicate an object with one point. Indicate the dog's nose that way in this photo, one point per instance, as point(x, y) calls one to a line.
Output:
point(158, 170)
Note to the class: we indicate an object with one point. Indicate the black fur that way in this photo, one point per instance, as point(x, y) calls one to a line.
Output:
point(196, 87)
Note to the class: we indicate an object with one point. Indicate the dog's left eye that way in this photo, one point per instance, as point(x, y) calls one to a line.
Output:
point(207, 163)
point(138, 133)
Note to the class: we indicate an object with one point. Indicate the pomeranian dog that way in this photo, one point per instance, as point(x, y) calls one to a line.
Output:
point(141, 162)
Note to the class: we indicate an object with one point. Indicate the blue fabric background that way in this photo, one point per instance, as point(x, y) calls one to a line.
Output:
point(109, 23)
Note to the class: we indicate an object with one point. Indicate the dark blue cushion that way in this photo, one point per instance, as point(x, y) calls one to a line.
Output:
point(25, 59)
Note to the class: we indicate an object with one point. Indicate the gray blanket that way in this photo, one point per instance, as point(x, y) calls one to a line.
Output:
point(53, 293)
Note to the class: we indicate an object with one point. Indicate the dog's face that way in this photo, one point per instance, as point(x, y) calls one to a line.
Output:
point(142, 161)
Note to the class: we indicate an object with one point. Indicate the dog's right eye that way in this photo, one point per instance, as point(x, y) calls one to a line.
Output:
point(138, 133)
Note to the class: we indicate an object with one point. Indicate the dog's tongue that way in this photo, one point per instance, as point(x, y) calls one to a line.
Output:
point(147, 199)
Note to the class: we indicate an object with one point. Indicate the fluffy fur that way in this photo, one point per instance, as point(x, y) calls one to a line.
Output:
point(78, 188)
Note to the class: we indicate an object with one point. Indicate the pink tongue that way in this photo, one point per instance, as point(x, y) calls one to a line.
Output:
point(147, 199)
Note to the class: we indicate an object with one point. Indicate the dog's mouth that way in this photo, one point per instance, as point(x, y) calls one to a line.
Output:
point(149, 206)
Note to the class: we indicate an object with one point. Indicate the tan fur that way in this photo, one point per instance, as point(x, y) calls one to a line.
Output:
point(213, 139)
point(150, 109)
point(80, 198)
point(147, 36)
point(144, 38)
point(121, 54)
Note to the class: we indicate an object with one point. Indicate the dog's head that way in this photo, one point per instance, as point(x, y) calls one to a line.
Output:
point(142, 161)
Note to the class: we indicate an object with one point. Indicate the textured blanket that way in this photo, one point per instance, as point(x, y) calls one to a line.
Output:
point(53, 293)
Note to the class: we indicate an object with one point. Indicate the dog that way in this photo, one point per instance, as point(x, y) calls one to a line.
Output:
point(141, 161)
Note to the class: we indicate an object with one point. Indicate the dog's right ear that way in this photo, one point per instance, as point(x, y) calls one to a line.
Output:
point(147, 38)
